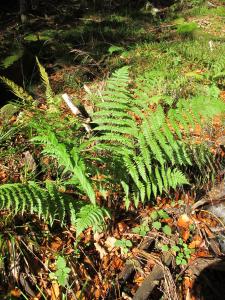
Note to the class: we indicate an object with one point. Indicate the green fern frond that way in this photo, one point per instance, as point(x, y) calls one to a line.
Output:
point(151, 142)
point(16, 89)
point(44, 76)
point(11, 59)
point(51, 204)
point(111, 106)
point(113, 137)
point(54, 149)
point(70, 160)
point(90, 216)
point(30, 197)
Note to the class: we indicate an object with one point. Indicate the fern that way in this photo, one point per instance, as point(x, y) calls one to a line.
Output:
point(71, 161)
point(150, 142)
point(22, 94)
point(16, 89)
point(50, 204)
point(90, 216)
point(31, 197)
point(44, 76)
point(11, 59)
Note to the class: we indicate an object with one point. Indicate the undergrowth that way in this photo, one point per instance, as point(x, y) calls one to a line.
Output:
point(148, 136)
point(142, 142)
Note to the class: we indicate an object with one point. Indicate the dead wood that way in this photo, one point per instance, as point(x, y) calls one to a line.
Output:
point(216, 194)
point(152, 280)
point(129, 268)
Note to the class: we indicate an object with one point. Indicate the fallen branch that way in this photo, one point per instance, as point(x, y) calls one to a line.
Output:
point(152, 280)
point(217, 193)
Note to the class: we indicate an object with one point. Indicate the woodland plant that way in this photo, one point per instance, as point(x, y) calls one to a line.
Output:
point(47, 198)
point(139, 143)
point(149, 137)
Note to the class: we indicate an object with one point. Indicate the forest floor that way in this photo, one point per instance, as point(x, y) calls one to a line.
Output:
point(170, 248)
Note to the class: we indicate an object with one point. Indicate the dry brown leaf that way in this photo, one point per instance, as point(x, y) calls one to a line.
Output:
point(15, 293)
point(56, 244)
point(110, 243)
point(122, 227)
point(97, 293)
point(55, 292)
point(196, 242)
point(78, 296)
point(139, 279)
point(187, 282)
point(185, 235)
point(184, 221)
point(98, 236)
point(29, 162)
point(100, 250)
point(117, 262)
point(69, 250)
point(222, 95)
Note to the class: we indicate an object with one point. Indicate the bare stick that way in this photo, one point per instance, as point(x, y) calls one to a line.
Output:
point(72, 107)
point(75, 110)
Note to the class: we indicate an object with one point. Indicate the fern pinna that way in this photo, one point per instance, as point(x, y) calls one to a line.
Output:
point(148, 139)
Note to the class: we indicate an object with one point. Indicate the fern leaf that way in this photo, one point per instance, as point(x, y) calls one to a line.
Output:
point(90, 216)
point(159, 179)
point(16, 89)
point(44, 76)
point(51, 204)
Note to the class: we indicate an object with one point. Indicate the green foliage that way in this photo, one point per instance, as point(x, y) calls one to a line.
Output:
point(186, 28)
point(47, 202)
point(11, 59)
point(31, 197)
point(157, 225)
point(143, 229)
point(167, 230)
point(114, 49)
point(90, 216)
point(149, 142)
point(62, 272)
point(71, 161)
point(22, 94)
point(181, 250)
point(16, 90)
point(157, 218)
point(204, 10)
point(124, 245)
point(44, 76)
point(59, 142)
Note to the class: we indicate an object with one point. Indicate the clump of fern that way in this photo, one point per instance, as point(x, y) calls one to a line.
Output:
point(148, 135)
point(61, 139)
point(50, 204)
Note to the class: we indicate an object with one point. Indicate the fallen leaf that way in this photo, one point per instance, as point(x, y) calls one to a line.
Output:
point(196, 242)
point(122, 227)
point(184, 221)
point(185, 235)
point(187, 282)
point(55, 292)
point(100, 250)
point(110, 242)
point(56, 244)
point(139, 279)
point(15, 293)
point(98, 236)
point(116, 263)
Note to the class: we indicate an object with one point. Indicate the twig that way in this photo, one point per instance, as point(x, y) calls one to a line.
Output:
point(75, 110)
